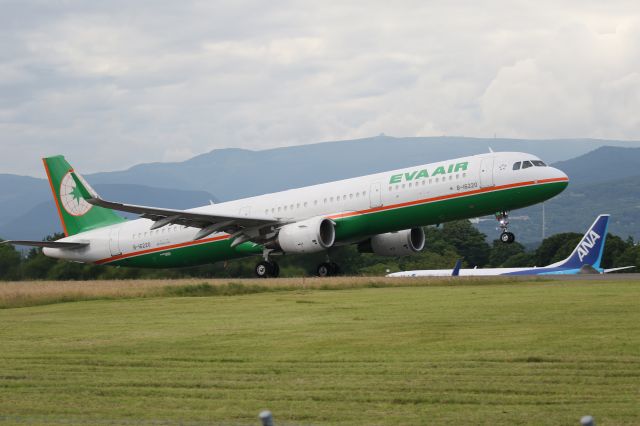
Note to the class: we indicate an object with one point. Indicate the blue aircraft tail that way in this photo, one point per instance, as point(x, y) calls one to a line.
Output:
point(456, 269)
point(589, 250)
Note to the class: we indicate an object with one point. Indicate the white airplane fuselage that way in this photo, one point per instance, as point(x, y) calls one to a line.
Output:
point(385, 202)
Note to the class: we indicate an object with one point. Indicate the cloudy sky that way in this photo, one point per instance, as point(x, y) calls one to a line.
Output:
point(112, 84)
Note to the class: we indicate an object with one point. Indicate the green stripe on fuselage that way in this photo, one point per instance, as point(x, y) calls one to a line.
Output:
point(355, 227)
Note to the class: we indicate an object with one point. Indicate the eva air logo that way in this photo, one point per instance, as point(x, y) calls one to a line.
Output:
point(71, 198)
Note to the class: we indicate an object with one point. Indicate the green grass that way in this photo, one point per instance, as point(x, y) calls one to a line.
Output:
point(473, 353)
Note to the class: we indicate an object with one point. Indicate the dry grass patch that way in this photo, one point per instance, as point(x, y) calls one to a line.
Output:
point(33, 293)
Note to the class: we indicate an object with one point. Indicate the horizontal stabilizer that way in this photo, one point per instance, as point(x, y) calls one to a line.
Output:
point(69, 245)
point(606, 271)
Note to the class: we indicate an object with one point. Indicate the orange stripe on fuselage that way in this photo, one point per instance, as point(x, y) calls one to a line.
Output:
point(446, 197)
point(55, 197)
point(163, 248)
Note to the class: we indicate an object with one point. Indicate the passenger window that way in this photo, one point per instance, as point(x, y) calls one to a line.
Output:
point(516, 166)
point(526, 164)
point(538, 163)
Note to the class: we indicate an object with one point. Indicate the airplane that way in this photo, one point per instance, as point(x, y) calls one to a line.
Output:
point(585, 258)
point(382, 213)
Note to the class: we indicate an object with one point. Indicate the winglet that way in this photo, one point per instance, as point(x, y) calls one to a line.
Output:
point(86, 191)
point(456, 269)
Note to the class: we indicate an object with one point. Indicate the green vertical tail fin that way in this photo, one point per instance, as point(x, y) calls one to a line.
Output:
point(76, 214)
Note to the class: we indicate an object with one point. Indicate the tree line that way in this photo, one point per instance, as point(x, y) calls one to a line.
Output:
point(445, 245)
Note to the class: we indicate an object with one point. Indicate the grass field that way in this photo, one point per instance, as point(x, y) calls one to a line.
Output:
point(345, 351)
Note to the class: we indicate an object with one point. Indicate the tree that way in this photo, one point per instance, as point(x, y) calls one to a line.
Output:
point(500, 252)
point(9, 262)
point(556, 247)
point(613, 250)
point(468, 242)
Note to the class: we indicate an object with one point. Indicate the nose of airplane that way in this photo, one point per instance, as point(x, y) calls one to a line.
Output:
point(559, 174)
point(558, 179)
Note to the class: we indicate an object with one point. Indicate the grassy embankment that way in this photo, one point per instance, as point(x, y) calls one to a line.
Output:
point(465, 352)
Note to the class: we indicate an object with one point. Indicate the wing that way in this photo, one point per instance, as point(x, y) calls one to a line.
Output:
point(244, 228)
point(70, 245)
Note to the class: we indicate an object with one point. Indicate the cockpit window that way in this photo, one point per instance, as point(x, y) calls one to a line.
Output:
point(526, 164)
point(538, 163)
point(516, 166)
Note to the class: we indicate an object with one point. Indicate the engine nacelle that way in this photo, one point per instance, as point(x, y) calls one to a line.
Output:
point(307, 236)
point(396, 244)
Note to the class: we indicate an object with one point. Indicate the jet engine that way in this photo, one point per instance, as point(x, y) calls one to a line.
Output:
point(307, 236)
point(396, 244)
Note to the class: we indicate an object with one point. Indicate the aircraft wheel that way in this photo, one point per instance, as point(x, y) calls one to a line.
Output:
point(267, 270)
point(507, 237)
point(325, 270)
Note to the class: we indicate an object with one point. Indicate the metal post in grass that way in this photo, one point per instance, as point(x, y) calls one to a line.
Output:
point(267, 418)
point(587, 421)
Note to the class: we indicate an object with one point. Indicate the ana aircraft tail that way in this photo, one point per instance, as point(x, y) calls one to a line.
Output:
point(76, 214)
point(589, 249)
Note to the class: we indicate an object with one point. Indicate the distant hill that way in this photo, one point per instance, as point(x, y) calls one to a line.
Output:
point(238, 173)
point(602, 164)
point(19, 194)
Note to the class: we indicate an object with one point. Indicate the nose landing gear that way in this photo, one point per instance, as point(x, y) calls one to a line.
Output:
point(503, 223)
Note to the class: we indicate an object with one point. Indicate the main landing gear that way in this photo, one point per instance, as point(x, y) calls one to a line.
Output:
point(503, 222)
point(328, 269)
point(267, 268)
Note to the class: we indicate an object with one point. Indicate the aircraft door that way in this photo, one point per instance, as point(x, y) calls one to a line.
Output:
point(375, 195)
point(245, 211)
point(114, 241)
point(486, 172)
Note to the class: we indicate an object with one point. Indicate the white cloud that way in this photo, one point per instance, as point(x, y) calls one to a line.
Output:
point(112, 84)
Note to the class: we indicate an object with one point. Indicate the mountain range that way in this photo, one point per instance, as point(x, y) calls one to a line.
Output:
point(604, 179)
